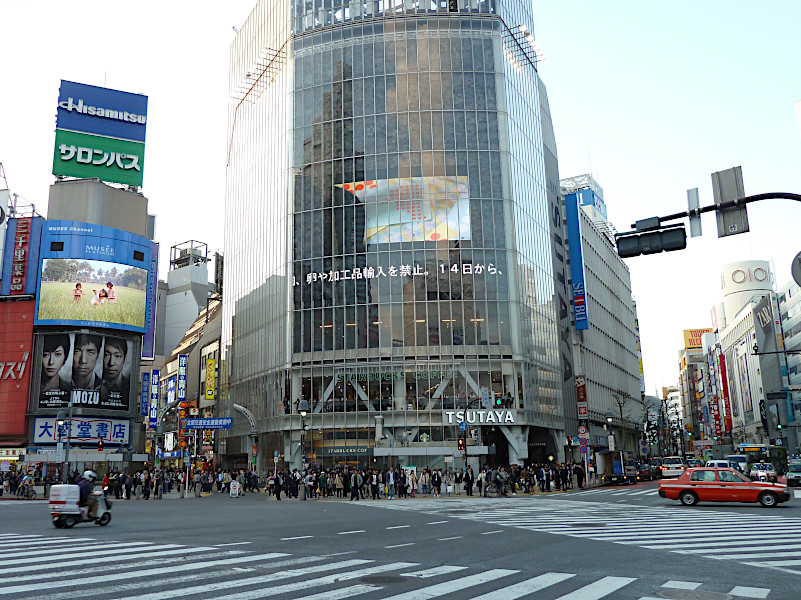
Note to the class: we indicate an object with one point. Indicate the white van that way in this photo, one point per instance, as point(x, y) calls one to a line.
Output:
point(721, 463)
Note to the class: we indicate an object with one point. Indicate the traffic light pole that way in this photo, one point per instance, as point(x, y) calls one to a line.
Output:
point(723, 206)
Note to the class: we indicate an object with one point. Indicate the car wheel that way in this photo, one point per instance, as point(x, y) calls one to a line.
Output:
point(58, 523)
point(768, 499)
point(688, 498)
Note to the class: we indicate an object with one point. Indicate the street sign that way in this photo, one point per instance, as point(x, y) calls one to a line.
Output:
point(224, 423)
point(727, 186)
point(276, 454)
point(584, 449)
point(462, 425)
point(582, 430)
point(583, 441)
point(795, 268)
point(181, 444)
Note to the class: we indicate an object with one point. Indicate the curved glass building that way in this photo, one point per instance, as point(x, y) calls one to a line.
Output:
point(393, 246)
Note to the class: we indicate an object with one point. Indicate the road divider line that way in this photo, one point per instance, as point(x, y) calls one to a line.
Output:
point(400, 545)
point(399, 527)
point(232, 544)
point(456, 537)
point(491, 532)
point(350, 532)
point(297, 537)
point(436, 522)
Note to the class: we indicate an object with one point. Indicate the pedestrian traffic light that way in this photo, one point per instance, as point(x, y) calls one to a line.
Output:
point(498, 401)
point(100, 445)
point(460, 444)
point(453, 6)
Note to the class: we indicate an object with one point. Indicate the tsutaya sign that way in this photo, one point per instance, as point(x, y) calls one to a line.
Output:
point(479, 417)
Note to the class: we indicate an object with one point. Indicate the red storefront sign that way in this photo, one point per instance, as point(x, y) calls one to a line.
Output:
point(16, 340)
point(19, 260)
point(724, 386)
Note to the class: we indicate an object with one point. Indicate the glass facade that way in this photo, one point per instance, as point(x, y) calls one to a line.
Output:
point(388, 239)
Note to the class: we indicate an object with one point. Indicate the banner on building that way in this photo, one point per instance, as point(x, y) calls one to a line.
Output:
point(16, 336)
point(21, 256)
point(692, 337)
point(154, 399)
point(573, 218)
point(84, 429)
point(211, 366)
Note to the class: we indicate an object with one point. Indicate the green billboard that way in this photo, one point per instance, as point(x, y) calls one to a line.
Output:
point(108, 159)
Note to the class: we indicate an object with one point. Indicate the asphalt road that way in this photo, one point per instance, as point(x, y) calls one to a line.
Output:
point(573, 546)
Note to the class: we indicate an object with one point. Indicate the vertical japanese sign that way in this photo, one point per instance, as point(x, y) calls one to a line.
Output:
point(16, 340)
point(21, 258)
point(211, 366)
point(145, 394)
point(154, 398)
point(182, 358)
point(149, 338)
point(724, 388)
point(581, 402)
point(573, 218)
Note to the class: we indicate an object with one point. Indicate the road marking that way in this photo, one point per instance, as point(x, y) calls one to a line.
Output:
point(440, 589)
point(715, 543)
point(347, 592)
point(67, 555)
point(349, 532)
point(598, 589)
point(456, 537)
point(524, 588)
point(681, 585)
point(231, 544)
point(182, 566)
point(399, 527)
point(298, 537)
point(400, 545)
point(436, 522)
point(76, 548)
point(292, 587)
point(245, 581)
point(7, 547)
point(433, 572)
point(717, 549)
point(750, 592)
point(756, 555)
point(797, 493)
point(491, 532)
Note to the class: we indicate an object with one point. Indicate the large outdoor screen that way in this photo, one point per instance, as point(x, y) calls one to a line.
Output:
point(91, 369)
point(93, 276)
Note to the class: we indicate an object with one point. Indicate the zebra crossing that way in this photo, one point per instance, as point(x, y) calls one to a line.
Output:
point(757, 539)
point(617, 492)
point(38, 567)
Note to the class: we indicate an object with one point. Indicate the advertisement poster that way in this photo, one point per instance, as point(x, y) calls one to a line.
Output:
point(93, 276)
point(16, 358)
point(414, 209)
point(84, 429)
point(21, 255)
point(93, 370)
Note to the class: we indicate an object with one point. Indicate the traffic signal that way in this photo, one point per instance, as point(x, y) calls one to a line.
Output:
point(460, 444)
point(498, 401)
point(651, 242)
point(100, 445)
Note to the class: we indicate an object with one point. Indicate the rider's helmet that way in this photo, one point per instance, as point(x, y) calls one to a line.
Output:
point(89, 475)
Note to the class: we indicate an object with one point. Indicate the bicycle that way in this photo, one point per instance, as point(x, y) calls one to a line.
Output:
point(492, 491)
point(26, 492)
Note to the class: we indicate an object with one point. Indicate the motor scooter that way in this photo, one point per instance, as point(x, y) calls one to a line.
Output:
point(66, 512)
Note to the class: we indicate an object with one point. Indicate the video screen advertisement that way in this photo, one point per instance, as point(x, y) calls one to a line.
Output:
point(93, 276)
point(93, 370)
point(100, 133)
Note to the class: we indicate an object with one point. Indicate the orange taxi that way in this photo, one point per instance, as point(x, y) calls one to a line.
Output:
point(709, 484)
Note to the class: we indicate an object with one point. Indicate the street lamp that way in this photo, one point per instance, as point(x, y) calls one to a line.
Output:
point(608, 427)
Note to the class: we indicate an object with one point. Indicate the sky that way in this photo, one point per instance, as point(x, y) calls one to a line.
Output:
point(650, 98)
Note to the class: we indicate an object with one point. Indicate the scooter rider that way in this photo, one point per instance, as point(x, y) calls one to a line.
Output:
point(85, 486)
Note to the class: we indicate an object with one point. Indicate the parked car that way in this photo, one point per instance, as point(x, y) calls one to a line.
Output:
point(763, 472)
point(695, 462)
point(794, 474)
point(712, 484)
point(672, 466)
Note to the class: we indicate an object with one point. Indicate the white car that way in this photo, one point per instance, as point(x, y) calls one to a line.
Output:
point(763, 472)
point(672, 466)
point(719, 463)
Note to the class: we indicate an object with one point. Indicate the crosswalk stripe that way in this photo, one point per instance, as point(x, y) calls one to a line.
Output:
point(27, 568)
point(752, 555)
point(111, 569)
point(745, 549)
point(750, 592)
point(14, 547)
point(777, 563)
point(598, 589)
point(524, 588)
point(433, 572)
point(718, 542)
point(228, 584)
point(73, 550)
point(310, 583)
point(71, 554)
point(348, 592)
point(447, 587)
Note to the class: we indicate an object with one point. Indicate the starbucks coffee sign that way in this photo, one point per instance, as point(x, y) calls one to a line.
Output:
point(479, 417)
